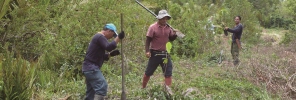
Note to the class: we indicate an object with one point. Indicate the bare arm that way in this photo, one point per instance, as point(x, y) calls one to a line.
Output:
point(147, 46)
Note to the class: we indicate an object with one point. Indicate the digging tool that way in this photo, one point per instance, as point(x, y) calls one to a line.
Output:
point(123, 95)
point(179, 34)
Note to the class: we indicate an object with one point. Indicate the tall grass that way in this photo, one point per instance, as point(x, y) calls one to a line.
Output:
point(18, 77)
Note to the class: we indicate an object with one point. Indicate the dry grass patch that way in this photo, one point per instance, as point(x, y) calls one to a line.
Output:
point(274, 68)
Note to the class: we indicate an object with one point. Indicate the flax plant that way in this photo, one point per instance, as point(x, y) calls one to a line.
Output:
point(18, 77)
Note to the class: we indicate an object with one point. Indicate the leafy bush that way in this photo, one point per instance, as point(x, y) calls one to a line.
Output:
point(264, 9)
point(279, 21)
point(290, 36)
point(18, 78)
point(64, 31)
point(244, 9)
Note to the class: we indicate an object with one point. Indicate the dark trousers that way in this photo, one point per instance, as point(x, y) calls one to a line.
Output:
point(157, 58)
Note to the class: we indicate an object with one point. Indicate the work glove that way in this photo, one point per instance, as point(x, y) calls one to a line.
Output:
point(114, 53)
point(225, 32)
point(121, 35)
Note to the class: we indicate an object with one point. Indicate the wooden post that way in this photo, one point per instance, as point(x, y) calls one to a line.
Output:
point(123, 95)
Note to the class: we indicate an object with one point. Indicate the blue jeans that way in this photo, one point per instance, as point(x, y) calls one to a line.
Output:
point(95, 84)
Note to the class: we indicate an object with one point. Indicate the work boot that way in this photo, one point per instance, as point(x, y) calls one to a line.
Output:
point(98, 97)
point(145, 81)
point(168, 83)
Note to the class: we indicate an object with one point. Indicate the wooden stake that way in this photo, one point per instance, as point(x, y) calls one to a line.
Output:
point(123, 95)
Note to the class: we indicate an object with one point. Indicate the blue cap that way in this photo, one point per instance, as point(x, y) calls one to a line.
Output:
point(112, 27)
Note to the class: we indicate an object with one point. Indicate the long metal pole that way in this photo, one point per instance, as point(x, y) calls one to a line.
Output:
point(179, 34)
point(151, 12)
point(123, 95)
point(146, 8)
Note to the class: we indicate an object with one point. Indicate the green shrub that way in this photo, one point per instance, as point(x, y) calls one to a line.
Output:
point(279, 21)
point(289, 36)
point(244, 9)
point(18, 77)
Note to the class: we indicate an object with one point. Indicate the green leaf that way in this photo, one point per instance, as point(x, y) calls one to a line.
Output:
point(169, 47)
point(4, 5)
point(165, 61)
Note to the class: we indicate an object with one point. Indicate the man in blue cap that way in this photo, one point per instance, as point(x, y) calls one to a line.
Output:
point(96, 85)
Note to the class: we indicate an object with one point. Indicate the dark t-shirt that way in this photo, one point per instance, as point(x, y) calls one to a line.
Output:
point(95, 54)
point(237, 32)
